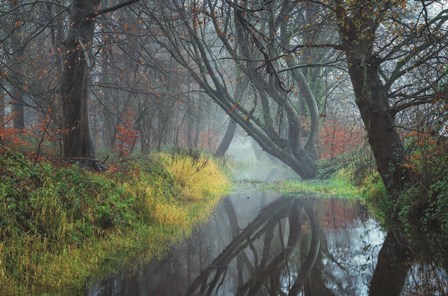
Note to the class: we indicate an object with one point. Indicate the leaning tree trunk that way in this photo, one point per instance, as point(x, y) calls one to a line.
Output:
point(241, 86)
point(358, 33)
point(383, 137)
point(77, 140)
point(227, 139)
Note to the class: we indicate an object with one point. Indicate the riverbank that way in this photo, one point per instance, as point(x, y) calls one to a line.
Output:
point(61, 227)
point(421, 207)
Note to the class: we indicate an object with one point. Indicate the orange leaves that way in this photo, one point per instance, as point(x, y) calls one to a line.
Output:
point(126, 137)
point(338, 137)
point(35, 140)
point(11, 136)
point(126, 134)
point(426, 150)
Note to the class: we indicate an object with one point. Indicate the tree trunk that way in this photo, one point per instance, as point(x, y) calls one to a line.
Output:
point(383, 138)
point(145, 127)
point(2, 109)
point(77, 140)
point(225, 143)
point(18, 108)
point(190, 121)
point(17, 100)
point(197, 127)
point(17, 61)
point(371, 95)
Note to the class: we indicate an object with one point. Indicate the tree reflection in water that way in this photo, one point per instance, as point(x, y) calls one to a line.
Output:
point(289, 246)
point(261, 270)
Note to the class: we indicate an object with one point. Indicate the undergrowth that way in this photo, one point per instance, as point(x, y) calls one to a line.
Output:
point(63, 227)
point(422, 206)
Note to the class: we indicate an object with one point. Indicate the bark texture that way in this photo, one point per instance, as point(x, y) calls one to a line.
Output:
point(358, 33)
point(77, 140)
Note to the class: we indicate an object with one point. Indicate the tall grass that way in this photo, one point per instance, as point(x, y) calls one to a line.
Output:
point(60, 228)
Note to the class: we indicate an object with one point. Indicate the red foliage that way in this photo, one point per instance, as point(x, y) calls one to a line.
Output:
point(33, 140)
point(126, 137)
point(337, 137)
point(426, 150)
point(10, 136)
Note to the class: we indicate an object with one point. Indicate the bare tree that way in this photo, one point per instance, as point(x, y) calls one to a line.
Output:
point(213, 41)
point(395, 54)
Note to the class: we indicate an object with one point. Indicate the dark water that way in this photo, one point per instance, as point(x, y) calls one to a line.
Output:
point(258, 244)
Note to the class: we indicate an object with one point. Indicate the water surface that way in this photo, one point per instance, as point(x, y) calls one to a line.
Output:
point(263, 244)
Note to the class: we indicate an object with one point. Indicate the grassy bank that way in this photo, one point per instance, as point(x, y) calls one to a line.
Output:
point(338, 186)
point(61, 227)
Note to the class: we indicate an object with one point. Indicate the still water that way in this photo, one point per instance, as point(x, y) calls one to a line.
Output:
point(263, 244)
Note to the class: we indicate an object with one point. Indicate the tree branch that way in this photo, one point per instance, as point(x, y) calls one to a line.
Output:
point(113, 8)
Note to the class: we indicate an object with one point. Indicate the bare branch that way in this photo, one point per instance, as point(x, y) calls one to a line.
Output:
point(113, 8)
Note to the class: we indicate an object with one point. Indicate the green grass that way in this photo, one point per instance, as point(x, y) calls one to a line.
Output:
point(63, 227)
point(338, 186)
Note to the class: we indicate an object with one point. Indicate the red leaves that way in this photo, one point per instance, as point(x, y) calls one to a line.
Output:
point(426, 150)
point(35, 140)
point(11, 136)
point(338, 137)
point(126, 137)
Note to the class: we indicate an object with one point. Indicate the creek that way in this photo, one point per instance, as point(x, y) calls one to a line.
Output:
point(258, 243)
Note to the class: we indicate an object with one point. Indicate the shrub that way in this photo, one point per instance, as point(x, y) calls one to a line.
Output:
point(191, 175)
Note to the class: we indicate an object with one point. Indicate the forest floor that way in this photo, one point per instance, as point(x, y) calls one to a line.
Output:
point(62, 227)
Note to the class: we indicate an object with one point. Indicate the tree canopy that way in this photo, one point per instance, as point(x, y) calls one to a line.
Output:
point(275, 68)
